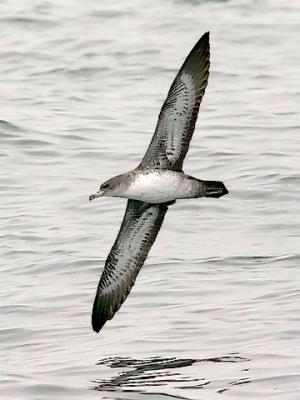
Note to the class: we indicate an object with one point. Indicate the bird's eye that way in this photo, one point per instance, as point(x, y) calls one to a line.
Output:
point(105, 186)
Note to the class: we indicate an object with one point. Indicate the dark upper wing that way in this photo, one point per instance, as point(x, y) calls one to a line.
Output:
point(138, 231)
point(177, 118)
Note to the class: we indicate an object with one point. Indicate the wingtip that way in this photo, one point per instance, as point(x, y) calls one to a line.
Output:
point(97, 317)
point(97, 323)
point(96, 329)
point(205, 36)
point(203, 43)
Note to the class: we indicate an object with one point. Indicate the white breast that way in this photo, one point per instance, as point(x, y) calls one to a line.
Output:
point(157, 187)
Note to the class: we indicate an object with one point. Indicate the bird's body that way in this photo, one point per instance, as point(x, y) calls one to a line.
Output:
point(155, 184)
point(160, 186)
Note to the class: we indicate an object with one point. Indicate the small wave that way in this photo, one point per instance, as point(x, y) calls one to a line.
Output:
point(41, 22)
point(7, 128)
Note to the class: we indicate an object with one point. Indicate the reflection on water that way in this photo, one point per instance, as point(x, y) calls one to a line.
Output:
point(147, 375)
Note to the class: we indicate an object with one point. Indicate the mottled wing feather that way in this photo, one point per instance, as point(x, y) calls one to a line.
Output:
point(178, 116)
point(140, 226)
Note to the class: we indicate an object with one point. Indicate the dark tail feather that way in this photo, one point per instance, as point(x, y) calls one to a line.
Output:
point(215, 189)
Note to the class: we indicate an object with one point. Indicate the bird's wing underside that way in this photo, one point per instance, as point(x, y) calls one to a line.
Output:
point(177, 118)
point(140, 226)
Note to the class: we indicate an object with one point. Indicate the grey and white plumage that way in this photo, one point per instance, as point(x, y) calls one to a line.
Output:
point(155, 184)
point(140, 226)
point(177, 118)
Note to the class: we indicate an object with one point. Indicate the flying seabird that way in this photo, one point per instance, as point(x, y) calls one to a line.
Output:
point(155, 184)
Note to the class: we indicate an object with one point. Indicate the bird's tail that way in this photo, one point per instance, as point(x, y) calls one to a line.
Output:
point(213, 189)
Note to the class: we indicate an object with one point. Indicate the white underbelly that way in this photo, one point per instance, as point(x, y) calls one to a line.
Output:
point(157, 187)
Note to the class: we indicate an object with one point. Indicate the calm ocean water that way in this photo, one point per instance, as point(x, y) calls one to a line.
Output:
point(215, 310)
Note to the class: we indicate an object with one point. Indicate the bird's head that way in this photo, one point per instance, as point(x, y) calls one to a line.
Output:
point(109, 188)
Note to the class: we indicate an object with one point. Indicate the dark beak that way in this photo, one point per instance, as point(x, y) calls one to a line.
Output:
point(100, 193)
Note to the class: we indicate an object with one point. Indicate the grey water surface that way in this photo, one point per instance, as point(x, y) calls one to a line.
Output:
point(215, 310)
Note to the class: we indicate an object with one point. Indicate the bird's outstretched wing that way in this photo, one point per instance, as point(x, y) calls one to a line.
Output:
point(177, 118)
point(140, 226)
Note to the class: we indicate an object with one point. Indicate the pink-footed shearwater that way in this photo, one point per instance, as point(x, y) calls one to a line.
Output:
point(155, 184)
